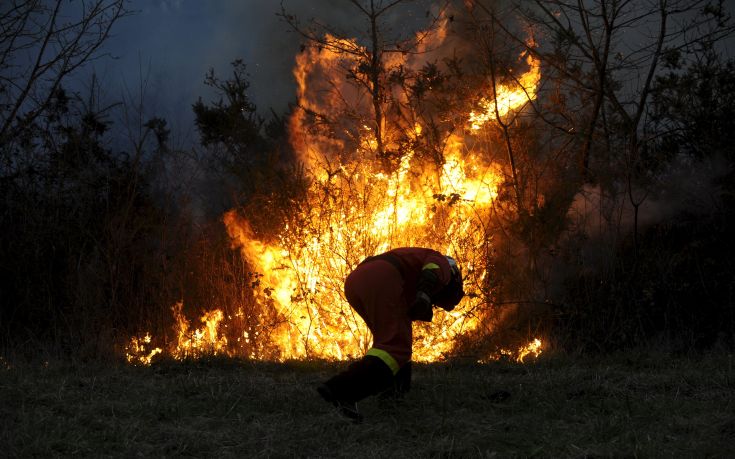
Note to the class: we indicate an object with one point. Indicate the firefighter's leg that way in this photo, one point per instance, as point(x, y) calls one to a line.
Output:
point(374, 291)
point(367, 376)
point(386, 313)
point(392, 334)
point(392, 337)
point(402, 381)
point(401, 384)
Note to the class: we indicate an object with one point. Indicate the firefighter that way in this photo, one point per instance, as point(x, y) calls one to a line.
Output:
point(389, 291)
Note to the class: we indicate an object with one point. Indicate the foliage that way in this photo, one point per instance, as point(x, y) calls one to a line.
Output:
point(677, 288)
point(231, 123)
point(80, 228)
point(677, 283)
point(606, 135)
point(94, 247)
point(695, 107)
point(252, 156)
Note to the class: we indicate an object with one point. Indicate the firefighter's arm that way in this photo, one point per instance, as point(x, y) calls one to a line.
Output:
point(429, 283)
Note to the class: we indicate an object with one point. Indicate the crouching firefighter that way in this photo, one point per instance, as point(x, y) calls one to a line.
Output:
point(389, 291)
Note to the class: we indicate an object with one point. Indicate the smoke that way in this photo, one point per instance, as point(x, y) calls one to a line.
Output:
point(687, 187)
point(601, 221)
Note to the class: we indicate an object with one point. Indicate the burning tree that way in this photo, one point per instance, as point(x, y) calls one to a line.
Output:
point(450, 138)
point(386, 130)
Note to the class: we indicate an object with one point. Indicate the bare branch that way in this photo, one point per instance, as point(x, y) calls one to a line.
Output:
point(59, 50)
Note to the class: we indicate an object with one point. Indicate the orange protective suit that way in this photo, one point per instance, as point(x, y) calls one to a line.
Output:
point(382, 288)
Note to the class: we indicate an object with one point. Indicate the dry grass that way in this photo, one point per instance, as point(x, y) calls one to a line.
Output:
point(629, 405)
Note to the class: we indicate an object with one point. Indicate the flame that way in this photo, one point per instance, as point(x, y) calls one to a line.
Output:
point(205, 340)
point(136, 352)
point(357, 206)
point(510, 97)
point(534, 348)
point(304, 281)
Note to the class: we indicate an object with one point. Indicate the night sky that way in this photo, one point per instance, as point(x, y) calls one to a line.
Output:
point(172, 44)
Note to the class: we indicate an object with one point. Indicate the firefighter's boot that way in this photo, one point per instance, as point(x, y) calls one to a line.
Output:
point(402, 380)
point(401, 385)
point(368, 376)
point(346, 408)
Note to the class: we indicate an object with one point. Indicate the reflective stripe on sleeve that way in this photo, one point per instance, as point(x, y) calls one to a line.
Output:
point(430, 266)
point(386, 358)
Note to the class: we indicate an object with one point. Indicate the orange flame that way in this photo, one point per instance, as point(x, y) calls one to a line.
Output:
point(357, 207)
point(510, 97)
point(205, 340)
point(533, 349)
point(136, 352)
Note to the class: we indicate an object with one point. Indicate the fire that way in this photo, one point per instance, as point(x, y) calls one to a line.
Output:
point(205, 340)
point(358, 206)
point(136, 352)
point(304, 272)
point(533, 349)
point(510, 97)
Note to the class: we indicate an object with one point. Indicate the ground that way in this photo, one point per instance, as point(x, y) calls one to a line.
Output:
point(633, 404)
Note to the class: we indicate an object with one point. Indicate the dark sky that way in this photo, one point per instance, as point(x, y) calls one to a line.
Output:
point(172, 44)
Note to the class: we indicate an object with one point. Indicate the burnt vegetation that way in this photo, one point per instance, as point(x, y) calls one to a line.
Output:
point(611, 229)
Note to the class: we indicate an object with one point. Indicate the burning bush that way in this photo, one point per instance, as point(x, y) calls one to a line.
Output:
point(372, 187)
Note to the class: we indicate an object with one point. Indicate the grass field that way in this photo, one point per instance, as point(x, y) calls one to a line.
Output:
point(627, 405)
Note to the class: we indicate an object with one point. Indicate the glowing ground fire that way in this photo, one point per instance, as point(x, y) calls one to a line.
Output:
point(356, 207)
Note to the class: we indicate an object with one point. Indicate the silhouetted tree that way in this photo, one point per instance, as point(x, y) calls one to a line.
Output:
point(251, 157)
point(230, 122)
point(41, 44)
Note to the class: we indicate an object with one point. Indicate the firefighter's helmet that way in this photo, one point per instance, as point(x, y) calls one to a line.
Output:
point(454, 267)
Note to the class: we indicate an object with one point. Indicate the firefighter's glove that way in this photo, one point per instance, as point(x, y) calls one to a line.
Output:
point(451, 294)
point(421, 308)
